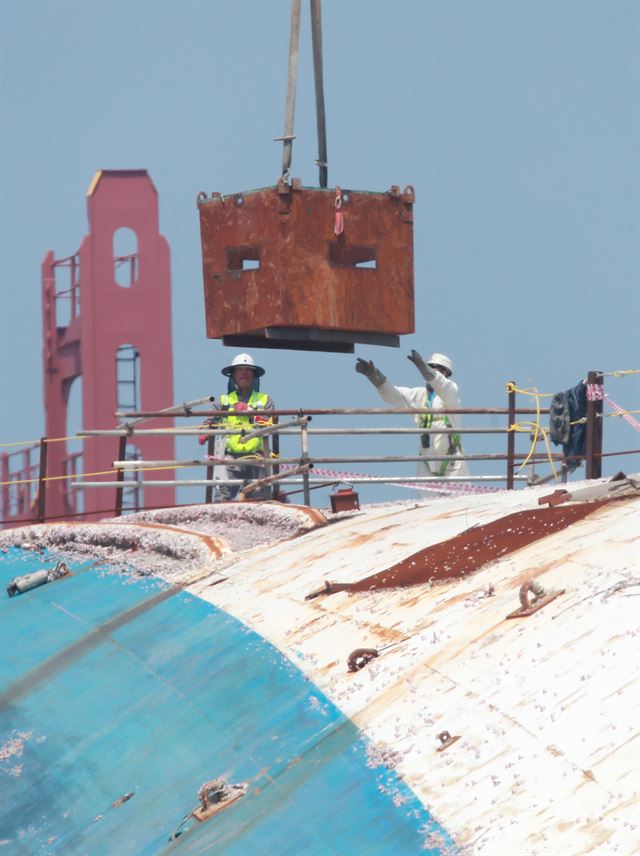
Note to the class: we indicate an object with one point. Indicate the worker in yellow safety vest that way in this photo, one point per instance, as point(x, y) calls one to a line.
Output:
point(439, 393)
point(243, 393)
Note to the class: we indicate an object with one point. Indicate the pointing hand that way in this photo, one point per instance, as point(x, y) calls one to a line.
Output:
point(369, 370)
point(425, 370)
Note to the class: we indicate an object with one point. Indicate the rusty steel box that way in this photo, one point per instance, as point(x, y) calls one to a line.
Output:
point(344, 500)
point(308, 268)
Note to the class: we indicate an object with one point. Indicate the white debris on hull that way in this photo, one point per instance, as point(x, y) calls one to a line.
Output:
point(545, 707)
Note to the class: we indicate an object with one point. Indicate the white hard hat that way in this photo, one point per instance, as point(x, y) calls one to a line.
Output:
point(243, 360)
point(441, 360)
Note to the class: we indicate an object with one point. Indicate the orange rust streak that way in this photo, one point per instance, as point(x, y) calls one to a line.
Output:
point(212, 543)
point(468, 551)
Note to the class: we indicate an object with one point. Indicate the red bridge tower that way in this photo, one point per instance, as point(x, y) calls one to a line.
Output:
point(112, 327)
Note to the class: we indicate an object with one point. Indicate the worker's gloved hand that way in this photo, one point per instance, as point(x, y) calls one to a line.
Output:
point(240, 405)
point(368, 369)
point(202, 439)
point(425, 370)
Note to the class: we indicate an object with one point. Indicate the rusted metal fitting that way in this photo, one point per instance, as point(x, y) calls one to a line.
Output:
point(536, 590)
point(446, 740)
point(408, 198)
point(19, 585)
point(215, 795)
point(326, 589)
point(296, 184)
point(540, 598)
point(556, 498)
point(284, 188)
point(359, 658)
point(394, 191)
point(409, 195)
point(201, 198)
point(344, 499)
point(284, 195)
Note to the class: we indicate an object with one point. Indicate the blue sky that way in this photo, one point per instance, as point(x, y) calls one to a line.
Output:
point(518, 123)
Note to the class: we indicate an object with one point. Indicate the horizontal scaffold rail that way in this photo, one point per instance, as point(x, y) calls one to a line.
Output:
point(350, 459)
point(283, 431)
point(358, 411)
point(320, 481)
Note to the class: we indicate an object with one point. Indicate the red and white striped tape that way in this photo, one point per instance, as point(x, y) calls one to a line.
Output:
point(440, 487)
point(595, 392)
point(622, 412)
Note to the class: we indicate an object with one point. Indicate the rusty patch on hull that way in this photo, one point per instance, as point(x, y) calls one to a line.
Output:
point(472, 548)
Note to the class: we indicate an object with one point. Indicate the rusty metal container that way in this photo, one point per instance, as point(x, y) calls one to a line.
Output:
point(308, 268)
point(345, 499)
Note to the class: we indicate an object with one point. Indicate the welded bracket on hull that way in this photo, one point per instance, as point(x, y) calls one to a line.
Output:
point(540, 598)
point(446, 740)
point(214, 795)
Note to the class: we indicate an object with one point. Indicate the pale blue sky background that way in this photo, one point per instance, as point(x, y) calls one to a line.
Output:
point(518, 123)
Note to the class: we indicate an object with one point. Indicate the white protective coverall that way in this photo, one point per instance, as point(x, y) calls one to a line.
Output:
point(446, 397)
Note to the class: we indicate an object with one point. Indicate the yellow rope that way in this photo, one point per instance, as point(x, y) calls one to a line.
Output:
point(517, 426)
point(79, 476)
point(535, 425)
point(57, 478)
point(621, 373)
point(532, 391)
point(37, 442)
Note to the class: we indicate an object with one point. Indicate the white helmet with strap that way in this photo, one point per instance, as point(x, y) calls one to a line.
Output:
point(441, 360)
point(243, 360)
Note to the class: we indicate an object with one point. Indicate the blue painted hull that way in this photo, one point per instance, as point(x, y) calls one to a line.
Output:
point(114, 685)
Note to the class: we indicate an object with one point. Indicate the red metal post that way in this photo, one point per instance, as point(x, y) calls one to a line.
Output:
point(122, 453)
point(511, 436)
point(42, 483)
point(6, 487)
point(211, 442)
point(594, 428)
point(275, 443)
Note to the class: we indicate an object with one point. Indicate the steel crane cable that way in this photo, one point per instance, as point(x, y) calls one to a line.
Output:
point(316, 35)
point(292, 77)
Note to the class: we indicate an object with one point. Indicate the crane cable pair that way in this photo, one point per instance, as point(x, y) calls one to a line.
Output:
point(292, 76)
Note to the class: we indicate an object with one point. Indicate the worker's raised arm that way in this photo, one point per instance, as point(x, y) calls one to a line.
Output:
point(448, 391)
point(370, 371)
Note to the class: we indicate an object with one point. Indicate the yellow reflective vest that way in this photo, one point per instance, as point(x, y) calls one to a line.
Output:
point(257, 401)
point(455, 443)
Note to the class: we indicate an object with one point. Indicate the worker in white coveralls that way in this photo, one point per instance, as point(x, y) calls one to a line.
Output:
point(439, 393)
point(243, 393)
